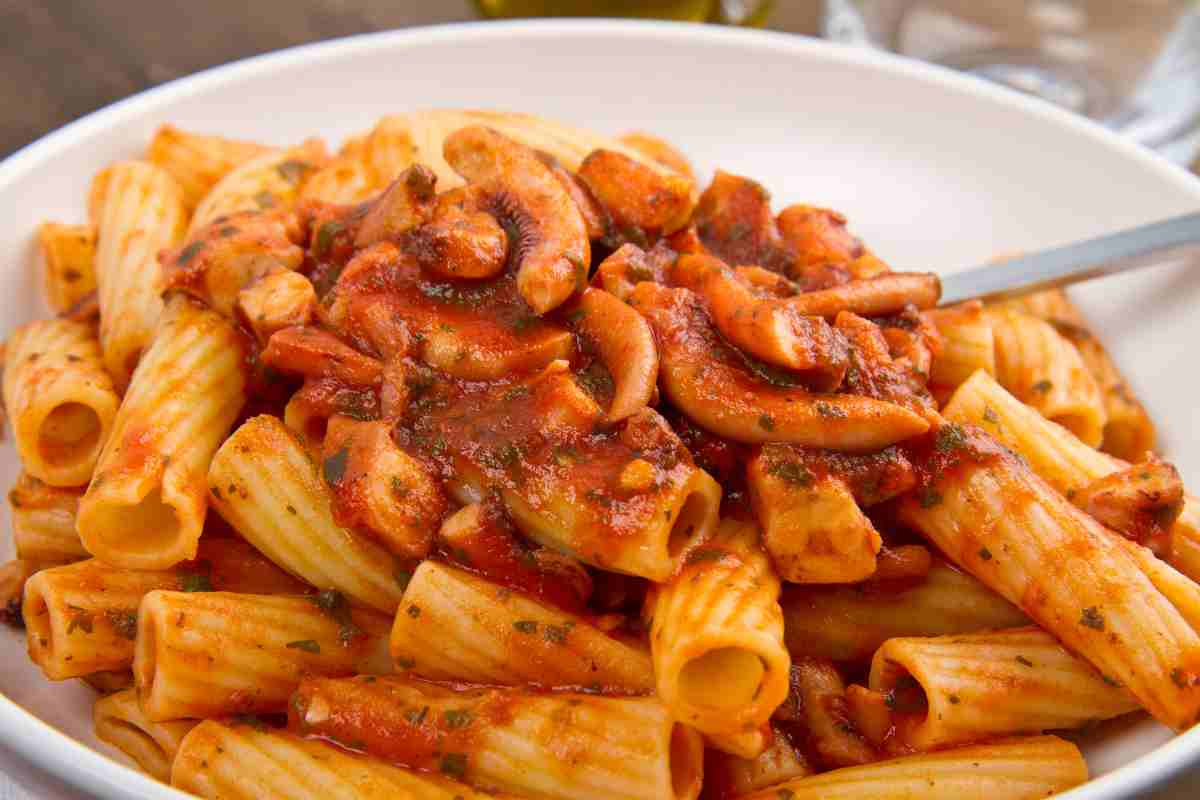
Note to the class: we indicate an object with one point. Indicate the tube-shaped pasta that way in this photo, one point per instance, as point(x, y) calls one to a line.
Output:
point(254, 649)
point(270, 180)
point(990, 513)
point(455, 626)
point(59, 398)
point(1015, 769)
point(68, 262)
point(1129, 432)
point(252, 762)
point(1043, 369)
point(500, 738)
point(1059, 457)
point(848, 623)
point(727, 776)
point(118, 720)
point(264, 483)
point(145, 506)
point(138, 211)
point(994, 683)
point(197, 160)
point(81, 618)
point(812, 527)
point(968, 344)
point(43, 521)
point(718, 623)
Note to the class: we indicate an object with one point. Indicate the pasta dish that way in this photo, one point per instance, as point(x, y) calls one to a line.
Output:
point(492, 457)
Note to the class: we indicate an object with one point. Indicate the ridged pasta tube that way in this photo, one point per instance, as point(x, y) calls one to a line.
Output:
point(43, 521)
point(995, 683)
point(251, 762)
point(1016, 769)
point(145, 506)
point(68, 263)
point(209, 654)
point(197, 160)
point(138, 211)
point(717, 623)
point(559, 745)
point(118, 720)
point(264, 483)
point(455, 626)
point(60, 399)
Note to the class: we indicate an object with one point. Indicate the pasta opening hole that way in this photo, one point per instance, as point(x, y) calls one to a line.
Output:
point(156, 522)
point(686, 761)
point(724, 679)
point(137, 744)
point(70, 431)
point(690, 524)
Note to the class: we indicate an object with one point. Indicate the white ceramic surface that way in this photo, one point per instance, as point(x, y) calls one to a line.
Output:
point(934, 170)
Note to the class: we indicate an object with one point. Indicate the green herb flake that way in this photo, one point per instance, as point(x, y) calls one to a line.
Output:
point(517, 392)
point(454, 764)
point(417, 716)
point(525, 626)
point(990, 416)
point(828, 410)
point(124, 622)
point(189, 252)
point(414, 611)
point(325, 236)
point(334, 467)
point(791, 472)
point(929, 497)
point(954, 700)
point(1179, 678)
point(703, 555)
point(337, 608)
point(307, 645)
point(457, 718)
point(1042, 386)
point(985, 554)
point(1111, 681)
point(402, 576)
point(264, 200)
point(293, 170)
point(251, 720)
point(195, 582)
point(404, 662)
point(1091, 617)
point(576, 316)
point(556, 634)
point(784, 794)
point(523, 323)
point(1023, 661)
point(949, 438)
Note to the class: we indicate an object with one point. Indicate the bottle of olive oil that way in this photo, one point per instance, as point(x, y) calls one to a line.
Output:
point(735, 12)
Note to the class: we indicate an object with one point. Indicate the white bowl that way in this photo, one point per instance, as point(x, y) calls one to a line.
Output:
point(935, 170)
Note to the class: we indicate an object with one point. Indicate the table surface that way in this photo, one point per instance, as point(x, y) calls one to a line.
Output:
point(73, 57)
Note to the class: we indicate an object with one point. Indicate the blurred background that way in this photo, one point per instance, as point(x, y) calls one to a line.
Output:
point(1133, 65)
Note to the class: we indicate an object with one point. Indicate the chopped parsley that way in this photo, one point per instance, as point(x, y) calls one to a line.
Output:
point(525, 626)
point(325, 236)
point(1091, 617)
point(556, 634)
point(334, 467)
point(189, 252)
point(985, 554)
point(990, 416)
point(791, 472)
point(766, 422)
point(1178, 678)
point(949, 437)
point(1023, 661)
point(929, 497)
point(702, 555)
point(457, 718)
point(124, 622)
point(195, 582)
point(416, 717)
point(402, 576)
point(1043, 386)
point(337, 608)
point(827, 410)
point(307, 645)
point(454, 764)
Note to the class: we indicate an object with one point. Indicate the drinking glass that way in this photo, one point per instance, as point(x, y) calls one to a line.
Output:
point(1133, 65)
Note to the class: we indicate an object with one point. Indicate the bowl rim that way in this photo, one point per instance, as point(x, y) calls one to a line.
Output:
point(50, 750)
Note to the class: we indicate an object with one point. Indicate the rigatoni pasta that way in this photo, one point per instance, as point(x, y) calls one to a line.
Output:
point(496, 519)
point(68, 263)
point(60, 399)
point(138, 210)
point(254, 649)
point(718, 623)
point(119, 721)
point(145, 507)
